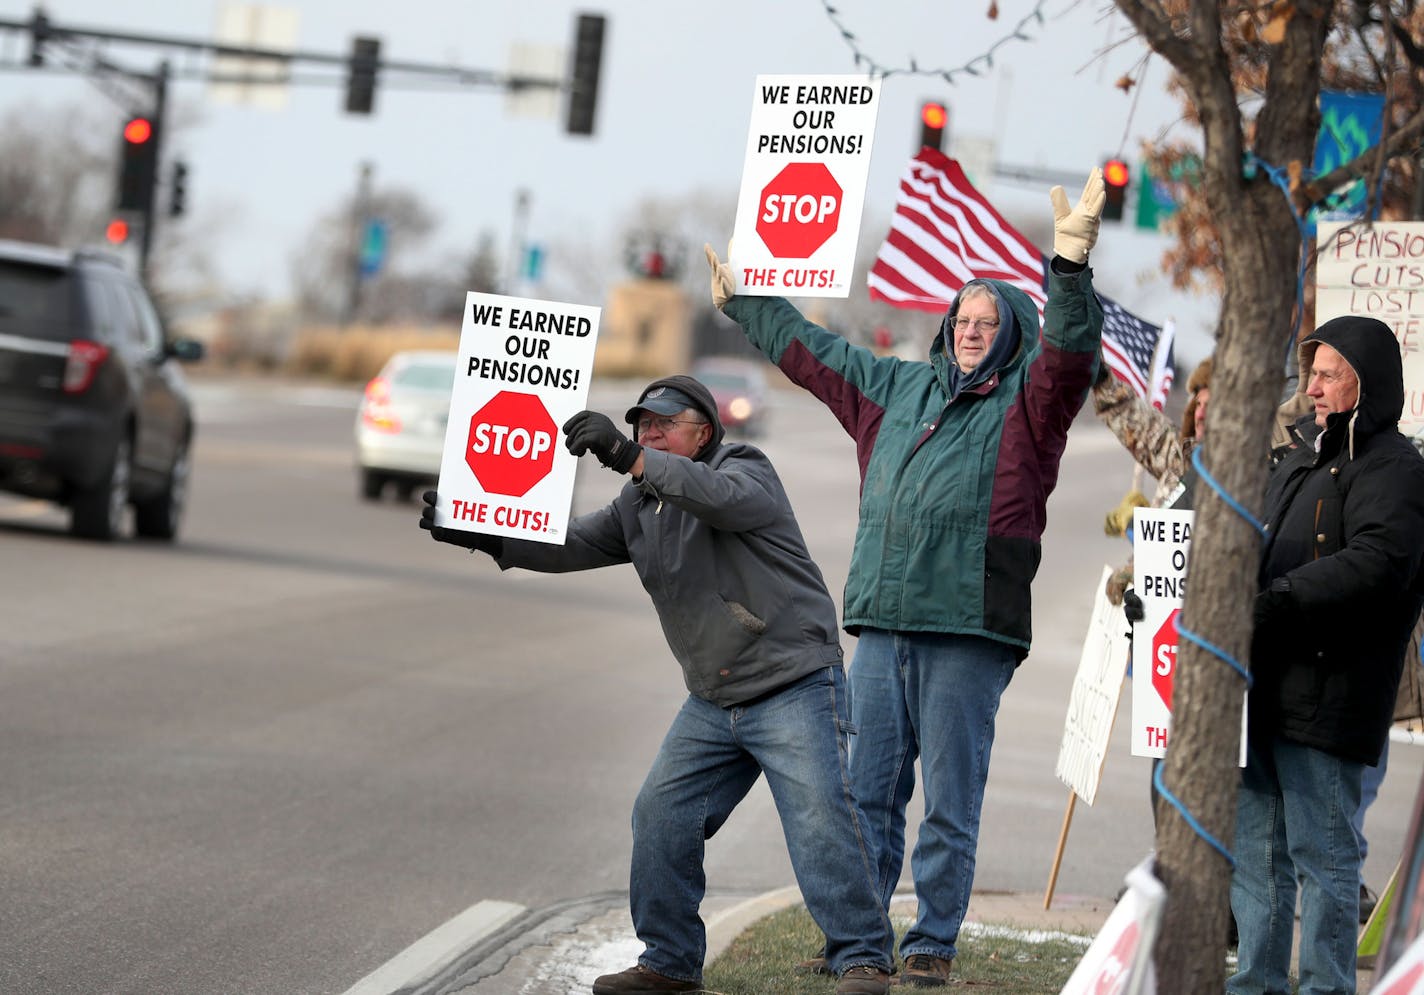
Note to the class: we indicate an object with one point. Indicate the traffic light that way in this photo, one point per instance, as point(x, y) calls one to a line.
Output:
point(934, 116)
point(138, 161)
point(117, 231)
point(583, 73)
point(178, 191)
point(361, 74)
point(39, 34)
point(1115, 178)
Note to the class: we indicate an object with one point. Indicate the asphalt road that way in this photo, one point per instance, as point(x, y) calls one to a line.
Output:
point(271, 757)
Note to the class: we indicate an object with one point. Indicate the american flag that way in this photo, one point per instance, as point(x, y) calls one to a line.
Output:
point(944, 234)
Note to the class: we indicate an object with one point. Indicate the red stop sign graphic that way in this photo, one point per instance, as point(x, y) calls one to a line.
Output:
point(1164, 657)
point(511, 443)
point(1113, 974)
point(800, 210)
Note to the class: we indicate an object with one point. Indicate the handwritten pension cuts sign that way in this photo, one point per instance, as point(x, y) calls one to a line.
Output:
point(803, 185)
point(523, 370)
point(1379, 272)
point(1092, 704)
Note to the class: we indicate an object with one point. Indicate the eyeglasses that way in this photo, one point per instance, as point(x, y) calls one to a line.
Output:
point(981, 325)
point(663, 424)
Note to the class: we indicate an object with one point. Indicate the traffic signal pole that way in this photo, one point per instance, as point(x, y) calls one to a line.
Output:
point(363, 67)
point(160, 106)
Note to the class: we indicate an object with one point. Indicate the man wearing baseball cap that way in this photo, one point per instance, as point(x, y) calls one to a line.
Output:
point(710, 531)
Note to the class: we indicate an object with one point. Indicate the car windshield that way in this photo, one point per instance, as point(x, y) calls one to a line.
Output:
point(426, 375)
point(35, 301)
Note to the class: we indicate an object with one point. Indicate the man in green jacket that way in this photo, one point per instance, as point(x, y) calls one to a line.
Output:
point(957, 457)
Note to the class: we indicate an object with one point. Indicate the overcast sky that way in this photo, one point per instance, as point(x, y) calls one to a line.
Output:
point(673, 110)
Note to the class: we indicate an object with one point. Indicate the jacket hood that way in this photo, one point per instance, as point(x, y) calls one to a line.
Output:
point(702, 400)
point(1370, 348)
point(1018, 336)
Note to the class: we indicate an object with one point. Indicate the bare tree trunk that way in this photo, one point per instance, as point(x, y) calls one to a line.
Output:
point(1261, 248)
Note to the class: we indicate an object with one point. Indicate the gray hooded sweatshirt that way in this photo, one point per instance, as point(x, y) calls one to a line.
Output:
point(743, 606)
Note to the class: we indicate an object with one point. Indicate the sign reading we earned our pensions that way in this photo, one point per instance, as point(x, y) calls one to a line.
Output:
point(523, 370)
point(1161, 548)
point(803, 185)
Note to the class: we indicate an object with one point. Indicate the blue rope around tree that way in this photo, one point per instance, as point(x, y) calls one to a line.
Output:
point(1216, 651)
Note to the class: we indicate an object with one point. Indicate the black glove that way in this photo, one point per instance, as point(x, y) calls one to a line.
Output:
point(493, 545)
point(1104, 371)
point(1276, 603)
point(589, 431)
point(1132, 606)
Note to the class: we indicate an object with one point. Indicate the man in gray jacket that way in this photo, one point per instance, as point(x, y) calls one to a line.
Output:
point(709, 529)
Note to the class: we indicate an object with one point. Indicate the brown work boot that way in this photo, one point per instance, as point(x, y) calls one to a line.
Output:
point(816, 965)
point(864, 979)
point(639, 980)
point(925, 971)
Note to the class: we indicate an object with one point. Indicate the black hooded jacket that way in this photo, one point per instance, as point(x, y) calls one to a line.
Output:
point(1344, 545)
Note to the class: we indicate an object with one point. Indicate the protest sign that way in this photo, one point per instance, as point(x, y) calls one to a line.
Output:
point(1161, 546)
point(1378, 272)
point(1092, 704)
point(1161, 541)
point(523, 370)
point(803, 185)
point(1119, 960)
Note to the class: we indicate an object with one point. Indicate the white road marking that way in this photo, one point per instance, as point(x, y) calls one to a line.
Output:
point(427, 955)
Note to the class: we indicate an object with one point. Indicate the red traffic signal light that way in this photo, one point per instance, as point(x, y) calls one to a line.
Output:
point(934, 117)
point(138, 162)
point(117, 231)
point(138, 130)
point(1116, 175)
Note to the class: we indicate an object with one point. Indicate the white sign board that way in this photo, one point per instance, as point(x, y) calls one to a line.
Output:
point(1161, 548)
point(1119, 960)
point(523, 370)
point(1161, 541)
point(1092, 704)
point(1406, 975)
point(803, 185)
point(1379, 272)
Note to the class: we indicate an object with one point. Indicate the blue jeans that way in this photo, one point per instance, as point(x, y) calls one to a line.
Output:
point(1293, 823)
point(1371, 779)
point(930, 696)
point(708, 762)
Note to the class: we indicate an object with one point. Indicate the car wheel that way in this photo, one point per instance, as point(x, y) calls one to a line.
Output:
point(372, 483)
point(159, 517)
point(98, 513)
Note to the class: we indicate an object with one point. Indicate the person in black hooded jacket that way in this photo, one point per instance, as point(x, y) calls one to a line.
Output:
point(709, 529)
point(1341, 588)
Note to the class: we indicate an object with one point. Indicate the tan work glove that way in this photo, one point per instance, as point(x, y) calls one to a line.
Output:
point(1120, 518)
point(1076, 229)
point(723, 286)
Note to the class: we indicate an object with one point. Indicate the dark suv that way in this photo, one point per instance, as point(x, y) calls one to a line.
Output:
point(94, 412)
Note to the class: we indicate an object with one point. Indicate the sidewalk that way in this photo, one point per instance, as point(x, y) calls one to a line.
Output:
point(563, 952)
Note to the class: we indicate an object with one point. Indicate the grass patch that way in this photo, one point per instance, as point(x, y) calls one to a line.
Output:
point(1000, 959)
